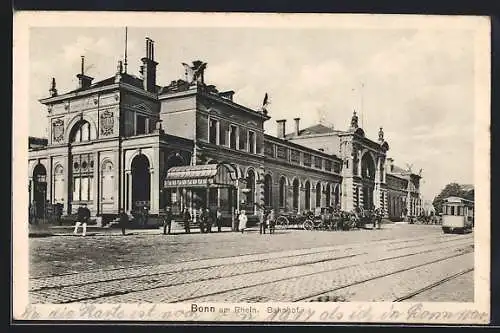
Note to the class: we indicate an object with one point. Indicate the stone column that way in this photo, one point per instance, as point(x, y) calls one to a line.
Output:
point(128, 189)
point(377, 194)
point(95, 186)
point(67, 183)
point(50, 180)
point(155, 181)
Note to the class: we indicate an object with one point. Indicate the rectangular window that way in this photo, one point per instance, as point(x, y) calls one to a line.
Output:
point(251, 142)
point(76, 189)
point(328, 165)
point(295, 156)
point(318, 162)
point(223, 131)
point(336, 166)
point(269, 149)
point(307, 159)
point(233, 132)
point(243, 139)
point(281, 152)
point(84, 189)
point(212, 131)
point(140, 126)
point(91, 189)
point(452, 210)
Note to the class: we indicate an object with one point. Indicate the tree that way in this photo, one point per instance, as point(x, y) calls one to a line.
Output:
point(452, 189)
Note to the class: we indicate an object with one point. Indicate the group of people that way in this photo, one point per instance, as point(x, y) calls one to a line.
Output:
point(206, 219)
point(266, 221)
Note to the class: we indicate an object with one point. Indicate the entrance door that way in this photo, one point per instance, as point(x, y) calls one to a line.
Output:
point(141, 180)
point(367, 197)
point(39, 189)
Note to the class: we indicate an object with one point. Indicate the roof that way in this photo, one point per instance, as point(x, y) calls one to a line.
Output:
point(396, 169)
point(315, 129)
point(126, 78)
point(200, 175)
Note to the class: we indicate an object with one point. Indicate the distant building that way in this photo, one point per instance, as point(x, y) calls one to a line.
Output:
point(127, 142)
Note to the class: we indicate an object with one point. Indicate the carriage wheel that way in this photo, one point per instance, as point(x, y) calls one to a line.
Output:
point(308, 225)
point(281, 222)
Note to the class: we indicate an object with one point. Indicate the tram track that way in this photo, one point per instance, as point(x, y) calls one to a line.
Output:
point(433, 285)
point(387, 240)
point(171, 269)
point(300, 299)
point(273, 280)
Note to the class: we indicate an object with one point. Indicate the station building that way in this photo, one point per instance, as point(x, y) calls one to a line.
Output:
point(126, 141)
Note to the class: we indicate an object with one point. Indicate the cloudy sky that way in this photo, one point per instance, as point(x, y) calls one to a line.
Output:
point(418, 84)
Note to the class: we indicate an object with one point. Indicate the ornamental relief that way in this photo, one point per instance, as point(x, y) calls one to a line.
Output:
point(107, 123)
point(58, 130)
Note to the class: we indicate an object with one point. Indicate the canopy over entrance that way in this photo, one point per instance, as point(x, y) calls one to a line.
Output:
point(209, 175)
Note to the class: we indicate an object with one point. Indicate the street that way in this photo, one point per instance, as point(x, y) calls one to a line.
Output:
point(400, 262)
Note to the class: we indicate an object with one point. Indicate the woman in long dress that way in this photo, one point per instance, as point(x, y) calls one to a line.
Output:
point(242, 221)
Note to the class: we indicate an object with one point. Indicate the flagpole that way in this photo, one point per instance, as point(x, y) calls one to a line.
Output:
point(125, 56)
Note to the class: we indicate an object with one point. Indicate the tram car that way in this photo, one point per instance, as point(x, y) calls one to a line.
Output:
point(458, 215)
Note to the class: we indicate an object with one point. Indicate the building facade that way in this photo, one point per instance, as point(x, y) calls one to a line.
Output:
point(126, 142)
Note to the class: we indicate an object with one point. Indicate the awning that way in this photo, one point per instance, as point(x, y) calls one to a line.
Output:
point(209, 175)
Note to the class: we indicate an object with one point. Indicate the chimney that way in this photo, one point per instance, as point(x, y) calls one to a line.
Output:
point(297, 128)
point(148, 68)
point(84, 81)
point(281, 128)
point(53, 90)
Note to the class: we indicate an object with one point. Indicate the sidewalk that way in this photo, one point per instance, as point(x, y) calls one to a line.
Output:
point(50, 230)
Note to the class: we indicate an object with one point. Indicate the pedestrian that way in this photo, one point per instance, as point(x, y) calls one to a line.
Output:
point(208, 220)
point(375, 218)
point(202, 219)
point(243, 219)
point(123, 220)
point(187, 221)
point(218, 220)
point(271, 222)
point(83, 215)
point(59, 210)
point(262, 221)
point(167, 220)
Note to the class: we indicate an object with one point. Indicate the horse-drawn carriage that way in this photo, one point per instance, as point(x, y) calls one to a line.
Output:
point(334, 219)
point(329, 219)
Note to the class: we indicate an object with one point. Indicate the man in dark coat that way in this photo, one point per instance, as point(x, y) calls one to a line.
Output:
point(262, 221)
point(218, 220)
point(187, 221)
point(167, 220)
point(83, 217)
point(123, 220)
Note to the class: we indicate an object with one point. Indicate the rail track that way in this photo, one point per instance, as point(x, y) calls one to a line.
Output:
point(144, 280)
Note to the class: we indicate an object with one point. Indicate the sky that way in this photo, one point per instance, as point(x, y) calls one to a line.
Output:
point(418, 84)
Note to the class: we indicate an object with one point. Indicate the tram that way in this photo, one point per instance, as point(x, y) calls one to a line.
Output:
point(458, 215)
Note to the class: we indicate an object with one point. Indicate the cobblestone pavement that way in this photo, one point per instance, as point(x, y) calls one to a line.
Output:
point(364, 265)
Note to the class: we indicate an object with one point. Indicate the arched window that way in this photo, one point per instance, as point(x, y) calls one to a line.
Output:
point(80, 132)
point(107, 181)
point(367, 167)
point(296, 194)
point(251, 187)
point(337, 195)
point(308, 195)
point(318, 195)
point(58, 183)
point(282, 192)
point(268, 190)
point(83, 177)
